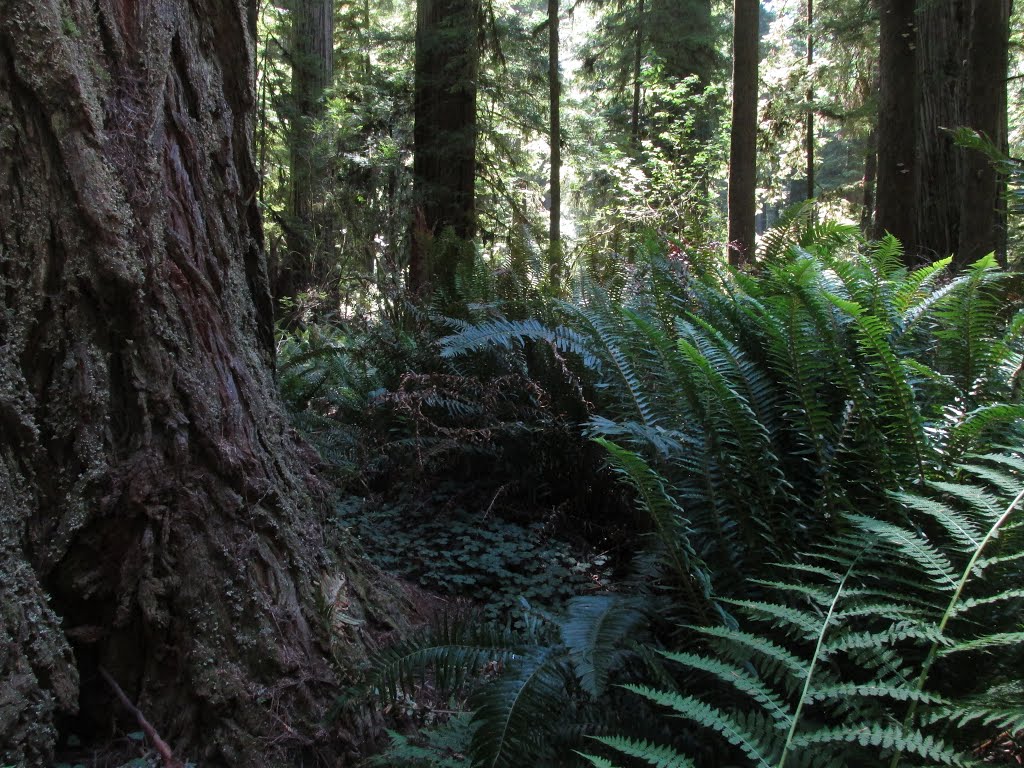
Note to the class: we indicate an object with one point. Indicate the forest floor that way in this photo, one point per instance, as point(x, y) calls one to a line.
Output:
point(454, 557)
point(1004, 749)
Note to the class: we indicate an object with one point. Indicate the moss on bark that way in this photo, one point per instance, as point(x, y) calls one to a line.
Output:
point(155, 511)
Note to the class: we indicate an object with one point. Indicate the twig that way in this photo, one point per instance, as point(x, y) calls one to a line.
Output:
point(158, 744)
point(501, 490)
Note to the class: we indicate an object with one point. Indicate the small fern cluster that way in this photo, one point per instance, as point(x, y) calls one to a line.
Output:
point(771, 406)
point(867, 651)
point(821, 414)
point(544, 685)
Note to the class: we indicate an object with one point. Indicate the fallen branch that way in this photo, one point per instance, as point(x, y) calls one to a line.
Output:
point(159, 744)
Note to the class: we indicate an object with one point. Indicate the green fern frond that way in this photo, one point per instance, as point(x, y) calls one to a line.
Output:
point(515, 711)
point(805, 622)
point(933, 562)
point(741, 680)
point(503, 333)
point(885, 737)
point(593, 631)
point(880, 689)
point(890, 384)
point(968, 320)
point(982, 602)
point(656, 755)
point(757, 644)
point(916, 288)
point(732, 729)
point(600, 762)
point(665, 515)
point(985, 643)
point(450, 651)
point(961, 528)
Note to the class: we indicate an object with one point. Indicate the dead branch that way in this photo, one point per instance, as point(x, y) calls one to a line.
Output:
point(159, 744)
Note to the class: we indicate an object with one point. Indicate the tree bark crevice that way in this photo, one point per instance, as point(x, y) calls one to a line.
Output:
point(155, 509)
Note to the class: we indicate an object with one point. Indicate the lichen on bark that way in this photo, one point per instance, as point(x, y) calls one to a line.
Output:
point(155, 511)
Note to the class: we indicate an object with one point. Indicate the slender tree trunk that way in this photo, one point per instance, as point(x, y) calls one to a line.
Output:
point(365, 35)
point(897, 160)
point(555, 94)
point(809, 141)
point(444, 166)
point(987, 65)
point(154, 517)
point(312, 60)
point(743, 145)
point(638, 62)
point(870, 174)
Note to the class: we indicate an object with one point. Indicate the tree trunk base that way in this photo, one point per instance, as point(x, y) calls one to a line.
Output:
point(155, 511)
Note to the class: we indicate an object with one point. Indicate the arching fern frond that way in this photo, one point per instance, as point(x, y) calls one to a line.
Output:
point(841, 654)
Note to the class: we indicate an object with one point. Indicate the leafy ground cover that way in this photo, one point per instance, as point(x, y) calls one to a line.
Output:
point(761, 503)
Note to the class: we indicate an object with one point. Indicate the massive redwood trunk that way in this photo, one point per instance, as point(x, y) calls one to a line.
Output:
point(153, 513)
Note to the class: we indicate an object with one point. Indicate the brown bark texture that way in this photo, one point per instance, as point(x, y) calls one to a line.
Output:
point(743, 145)
point(982, 195)
point(941, 105)
point(896, 184)
point(312, 62)
point(444, 136)
point(153, 513)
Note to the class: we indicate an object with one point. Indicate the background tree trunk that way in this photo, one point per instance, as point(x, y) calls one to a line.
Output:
point(896, 185)
point(148, 483)
point(444, 136)
point(312, 60)
point(555, 140)
point(987, 65)
point(743, 146)
point(941, 104)
point(809, 138)
point(638, 61)
point(867, 210)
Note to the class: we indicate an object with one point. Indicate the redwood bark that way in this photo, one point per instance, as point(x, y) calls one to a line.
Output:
point(743, 146)
point(154, 517)
point(987, 64)
point(896, 185)
point(312, 61)
point(444, 138)
point(941, 105)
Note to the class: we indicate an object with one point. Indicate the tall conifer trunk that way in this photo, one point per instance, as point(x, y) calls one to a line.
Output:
point(444, 137)
point(555, 141)
point(941, 104)
point(743, 145)
point(982, 192)
point(809, 138)
point(312, 60)
point(154, 513)
point(638, 61)
point(897, 177)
